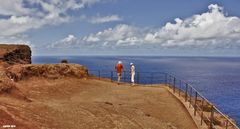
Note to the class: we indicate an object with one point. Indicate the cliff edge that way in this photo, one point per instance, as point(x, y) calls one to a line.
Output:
point(49, 71)
point(15, 66)
point(15, 54)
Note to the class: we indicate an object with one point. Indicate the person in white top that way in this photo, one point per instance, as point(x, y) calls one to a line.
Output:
point(132, 72)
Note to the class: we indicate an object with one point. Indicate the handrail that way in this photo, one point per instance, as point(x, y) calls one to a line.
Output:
point(226, 117)
point(193, 88)
point(213, 109)
point(171, 80)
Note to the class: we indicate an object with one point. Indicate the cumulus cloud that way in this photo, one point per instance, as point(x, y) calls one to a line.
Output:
point(69, 41)
point(18, 39)
point(212, 29)
point(18, 16)
point(121, 35)
point(104, 19)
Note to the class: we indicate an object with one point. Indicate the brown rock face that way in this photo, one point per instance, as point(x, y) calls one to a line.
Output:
point(50, 71)
point(15, 54)
point(15, 65)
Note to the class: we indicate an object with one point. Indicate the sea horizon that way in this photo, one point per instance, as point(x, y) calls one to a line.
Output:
point(97, 55)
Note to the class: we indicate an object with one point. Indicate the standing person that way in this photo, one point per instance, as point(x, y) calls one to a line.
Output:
point(132, 72)
point(119, 69)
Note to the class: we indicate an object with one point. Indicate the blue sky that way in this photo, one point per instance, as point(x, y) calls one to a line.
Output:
point(123, 27)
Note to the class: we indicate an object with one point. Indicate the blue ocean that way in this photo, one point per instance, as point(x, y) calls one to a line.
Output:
point(217, 78)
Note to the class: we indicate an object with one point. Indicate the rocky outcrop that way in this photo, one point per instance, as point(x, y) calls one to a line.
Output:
point(15, 65)
point(49, 71)
point(15, 54)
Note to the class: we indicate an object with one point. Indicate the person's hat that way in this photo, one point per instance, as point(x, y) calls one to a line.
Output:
point(131, 63)
point(119, 62)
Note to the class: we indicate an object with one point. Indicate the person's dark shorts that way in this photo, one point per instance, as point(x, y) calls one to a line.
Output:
point(119, 74)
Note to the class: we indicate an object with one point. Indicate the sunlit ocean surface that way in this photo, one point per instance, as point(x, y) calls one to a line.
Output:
point(217, 78)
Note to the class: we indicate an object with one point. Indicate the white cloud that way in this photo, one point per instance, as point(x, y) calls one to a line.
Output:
point(121, 35)
point(104, 19)
point(212, 28)
point(18, 39)
point(13, 7)
point(66, 42)
point(22, 15)
point(209, 30)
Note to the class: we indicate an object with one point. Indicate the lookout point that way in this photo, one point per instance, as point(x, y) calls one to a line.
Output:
point(68, 96)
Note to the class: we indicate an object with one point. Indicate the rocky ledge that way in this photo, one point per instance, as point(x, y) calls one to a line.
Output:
point(15, 65)
point(12, 54)
point(49, 71)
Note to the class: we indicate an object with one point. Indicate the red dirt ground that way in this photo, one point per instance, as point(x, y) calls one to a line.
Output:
point(71, 103)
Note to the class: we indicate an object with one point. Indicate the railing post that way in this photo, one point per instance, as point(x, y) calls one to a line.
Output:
point(124, 76)
point(112, 76)
point(180, 85)
point(202, 111)
point(195, 103)
point(174, 84)
point(169, 83)
point(166, 79)
point(99, 74)
point(226, 124)
point(137, 77)
point(212, 117)
point(151, 78)
point(190, 97)
point(186, 92)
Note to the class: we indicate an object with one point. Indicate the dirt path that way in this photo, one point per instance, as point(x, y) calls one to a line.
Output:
point(94, 104)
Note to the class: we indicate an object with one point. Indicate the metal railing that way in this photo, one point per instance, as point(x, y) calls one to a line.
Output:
point(207, 111)
point(209, 114)
point(140, 77)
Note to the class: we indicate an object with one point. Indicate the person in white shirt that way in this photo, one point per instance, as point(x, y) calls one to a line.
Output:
point(132, 72)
